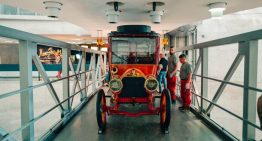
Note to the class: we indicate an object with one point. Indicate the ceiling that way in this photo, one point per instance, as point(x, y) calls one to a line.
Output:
point(90, 14)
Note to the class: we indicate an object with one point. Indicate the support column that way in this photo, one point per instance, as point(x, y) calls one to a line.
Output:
point(94, 69)
point(65, 73)
point(105, 68)
point(99, 69)
point(204, 82)
point(26, 50)
point(89, 73)
point(83, 75)
point(195, 66)
point(250, 49)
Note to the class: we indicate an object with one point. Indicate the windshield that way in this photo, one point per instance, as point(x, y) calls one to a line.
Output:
point(129, 50)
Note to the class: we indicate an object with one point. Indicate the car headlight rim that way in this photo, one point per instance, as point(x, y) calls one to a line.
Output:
point(151, 84)
point(117, 86)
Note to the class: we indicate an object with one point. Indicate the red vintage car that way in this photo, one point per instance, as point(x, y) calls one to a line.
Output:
point(133, 57)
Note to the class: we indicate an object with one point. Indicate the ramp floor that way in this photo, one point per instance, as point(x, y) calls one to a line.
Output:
point(184, 127)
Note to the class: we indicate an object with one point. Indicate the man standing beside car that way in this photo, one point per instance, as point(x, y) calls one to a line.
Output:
point(186, 80)
point(171, 74)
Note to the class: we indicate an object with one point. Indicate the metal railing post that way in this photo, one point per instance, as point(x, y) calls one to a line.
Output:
point(65, 73)
point(89, 73)
point(26, 50)
point(104, 64)
point(94, 69)
point(195, 67)
point(83, 75)
point(204, 82)
point(250, 50)
point(100, 68)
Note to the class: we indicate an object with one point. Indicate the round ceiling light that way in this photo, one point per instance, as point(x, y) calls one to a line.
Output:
point(216, 9)
point(113, 14)
point(53, 8)
point(155, 15)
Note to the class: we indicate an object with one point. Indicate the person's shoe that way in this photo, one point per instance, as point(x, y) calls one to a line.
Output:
point(181, 108)
point(187, 108)
point(184, 109)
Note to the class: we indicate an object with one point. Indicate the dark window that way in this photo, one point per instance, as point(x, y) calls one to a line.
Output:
point(129, 50)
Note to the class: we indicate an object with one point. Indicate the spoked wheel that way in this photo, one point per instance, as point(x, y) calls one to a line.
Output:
point(259, 110)
point(165, 111)
point(101, 111)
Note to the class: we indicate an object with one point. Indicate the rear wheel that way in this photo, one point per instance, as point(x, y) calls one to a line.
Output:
point(101, 111)
point(165, 111)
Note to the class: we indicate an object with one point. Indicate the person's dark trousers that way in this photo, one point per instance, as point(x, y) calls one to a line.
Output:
point(162, 79)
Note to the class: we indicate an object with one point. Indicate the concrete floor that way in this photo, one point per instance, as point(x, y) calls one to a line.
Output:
point(184, 127)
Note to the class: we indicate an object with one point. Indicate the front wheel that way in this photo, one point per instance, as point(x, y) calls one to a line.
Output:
point(165, 111)
point(101, 111)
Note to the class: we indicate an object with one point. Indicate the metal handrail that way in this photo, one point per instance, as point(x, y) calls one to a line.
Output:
point(7, 136)
point(39, 85)
point(235, 115)
point(245, 41)
point(230, 83)
point(25, 36)
point(229, 112)
point(21, 35)
point(34, 40)
point(227, 82)
point(248, 36)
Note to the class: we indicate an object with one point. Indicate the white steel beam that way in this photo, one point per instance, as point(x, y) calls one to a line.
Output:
point(26, 50)
point(204, 82)
point(66, 52)
point(250, 49)
point(83, 75)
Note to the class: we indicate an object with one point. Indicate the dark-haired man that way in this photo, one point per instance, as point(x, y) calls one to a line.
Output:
point(186, 80)
point(171, 74)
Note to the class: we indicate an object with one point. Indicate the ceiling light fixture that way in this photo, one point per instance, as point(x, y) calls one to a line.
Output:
point(53, 8)
point(156, 15)
point(113, 14)
point(216, 9)
point(99, 40)
point(165, 39)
